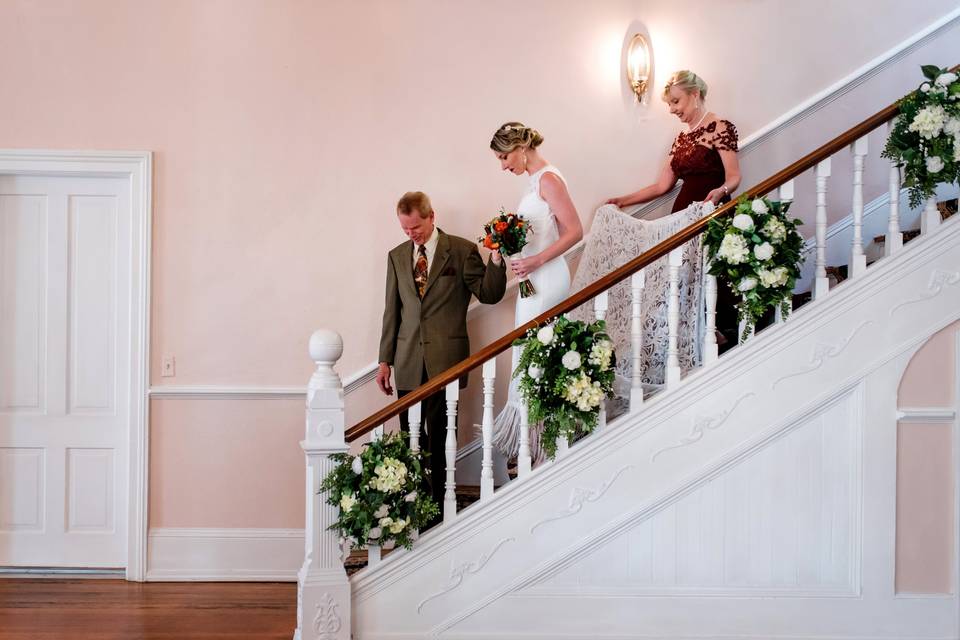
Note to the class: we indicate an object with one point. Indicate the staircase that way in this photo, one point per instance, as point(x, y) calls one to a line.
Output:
point(754, 498)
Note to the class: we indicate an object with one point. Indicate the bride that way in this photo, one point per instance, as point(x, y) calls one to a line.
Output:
point(555, 227)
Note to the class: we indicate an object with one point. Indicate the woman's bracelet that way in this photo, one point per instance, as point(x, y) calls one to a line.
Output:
point(726, 191)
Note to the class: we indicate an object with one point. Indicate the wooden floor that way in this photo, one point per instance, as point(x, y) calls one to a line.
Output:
point(53, 609)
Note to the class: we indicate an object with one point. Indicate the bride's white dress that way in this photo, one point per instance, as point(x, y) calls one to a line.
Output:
point(552, 284)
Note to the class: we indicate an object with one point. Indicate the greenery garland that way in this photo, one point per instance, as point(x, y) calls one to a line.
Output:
point(758, 252)
point(925, 140)
point(565, 371)
point(380, 493)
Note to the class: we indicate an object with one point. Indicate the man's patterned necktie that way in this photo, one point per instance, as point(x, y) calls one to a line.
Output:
point(420, 271)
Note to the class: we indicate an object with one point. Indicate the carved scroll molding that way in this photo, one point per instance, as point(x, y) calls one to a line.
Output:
point(458, 572)
point(938, 280)
point(701, 424)
point(580, 496)
point(821, 353)
point(326, 622)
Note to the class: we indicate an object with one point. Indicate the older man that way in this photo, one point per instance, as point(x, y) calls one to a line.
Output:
point(430, 280)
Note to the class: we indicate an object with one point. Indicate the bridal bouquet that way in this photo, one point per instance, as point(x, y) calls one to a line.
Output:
point(507, 233)
point(378, 493)
point(565, 371)
point(925, 139)
point(758, 253)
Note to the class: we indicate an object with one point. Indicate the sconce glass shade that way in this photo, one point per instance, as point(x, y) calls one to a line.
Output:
point(638, 65)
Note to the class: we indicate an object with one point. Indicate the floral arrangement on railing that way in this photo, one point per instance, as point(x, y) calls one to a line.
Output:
point(379, 493)
point(507, 233)
point(925, 139)
point(565, 371)
point(758, 252)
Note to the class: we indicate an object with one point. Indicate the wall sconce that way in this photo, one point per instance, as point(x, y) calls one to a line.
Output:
point(638, 66)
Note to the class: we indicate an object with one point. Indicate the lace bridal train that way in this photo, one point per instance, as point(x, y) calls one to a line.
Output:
point(615, 239)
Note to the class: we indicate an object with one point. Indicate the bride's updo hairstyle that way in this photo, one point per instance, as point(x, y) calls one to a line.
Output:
point(686, 81)
point(515, 134)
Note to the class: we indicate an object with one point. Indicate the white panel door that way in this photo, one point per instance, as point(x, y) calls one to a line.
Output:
point(64, 347)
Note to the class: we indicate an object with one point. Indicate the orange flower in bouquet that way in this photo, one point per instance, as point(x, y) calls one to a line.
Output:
point(507, 233)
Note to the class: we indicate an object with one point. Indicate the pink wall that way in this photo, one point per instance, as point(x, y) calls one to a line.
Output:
point(926, 472)
point(284, 130)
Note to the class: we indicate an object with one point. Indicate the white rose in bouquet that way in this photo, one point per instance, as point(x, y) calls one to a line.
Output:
point(357, 465)
point(375, 533)
point(747, 284)
point(759, 207)
point(410, 497)
point(934, 164)
point(381, 512)
point(534, 372)
point(925, 87)
point(743, 222)
point(763, 251)
point(571, 360)
point(946, 79)
point(545, 335)
point(733, 248)
point(952, 127)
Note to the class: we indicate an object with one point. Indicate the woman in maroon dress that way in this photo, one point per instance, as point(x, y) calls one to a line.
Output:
point(705, 158)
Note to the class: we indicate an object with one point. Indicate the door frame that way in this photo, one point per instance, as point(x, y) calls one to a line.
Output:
point(137, 167)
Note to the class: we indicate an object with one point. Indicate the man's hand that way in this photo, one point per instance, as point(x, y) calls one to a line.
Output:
point(383, 379)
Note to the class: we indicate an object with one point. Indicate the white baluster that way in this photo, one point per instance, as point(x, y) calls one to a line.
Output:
point(374, 555)
point(821, 285)
point(600, 312)
point(858, 261)
point(894, 239)
point(673, 317)
point(377, 434)
point(785, 192)
point(600, 305)
point(450, 448)
point(930, 218)
point(524, 463)
point(322, 581)
point(710, 349)
point(636, 338)
point(486, 466)
point(563, 447)
point(413, 422)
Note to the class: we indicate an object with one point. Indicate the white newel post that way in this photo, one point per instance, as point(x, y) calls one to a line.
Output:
point(821, 285)
point(323, 589)
point(858, 261)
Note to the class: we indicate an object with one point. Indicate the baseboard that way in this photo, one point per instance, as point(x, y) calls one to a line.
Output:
point(224, 555)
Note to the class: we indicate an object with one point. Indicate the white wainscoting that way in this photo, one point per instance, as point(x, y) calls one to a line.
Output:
point(246, 555)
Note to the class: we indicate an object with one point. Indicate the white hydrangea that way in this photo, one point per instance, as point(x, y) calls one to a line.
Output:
point(759, 206)
point(534, 372)
point(394, 525)
point(763, 251)
point(375, 533)
point(952, 127)
point(929, 121)
point(956, 150)
point(601, 354)
point(571, 360)
point(545, 335)
point(347, 502)
point(586, 395)
point(743, 221)
point(946, 79)
point(357, 465)
point(776, 277)
point(775, 230)
point(733, 249)
point(934, 164)
point(746, 284)
point(390, 476)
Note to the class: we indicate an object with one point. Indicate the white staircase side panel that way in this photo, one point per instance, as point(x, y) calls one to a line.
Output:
point(755, 500)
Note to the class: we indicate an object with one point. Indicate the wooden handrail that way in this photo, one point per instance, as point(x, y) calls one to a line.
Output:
point(647, 257)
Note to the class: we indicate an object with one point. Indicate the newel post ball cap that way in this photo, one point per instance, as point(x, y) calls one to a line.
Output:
point(326, 346)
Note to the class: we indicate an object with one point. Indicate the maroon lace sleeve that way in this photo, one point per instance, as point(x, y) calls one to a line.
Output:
point(725, 137)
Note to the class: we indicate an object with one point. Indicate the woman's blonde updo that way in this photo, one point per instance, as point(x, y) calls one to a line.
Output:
point(515, 134)
point(687, 81)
